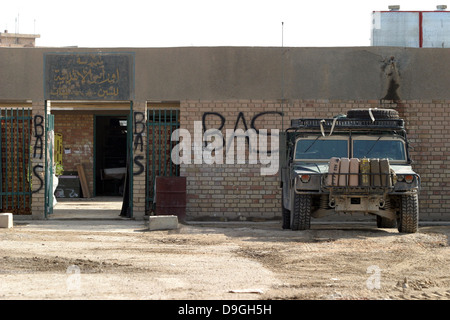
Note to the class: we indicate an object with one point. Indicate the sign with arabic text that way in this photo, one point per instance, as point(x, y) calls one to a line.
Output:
point(89, 76)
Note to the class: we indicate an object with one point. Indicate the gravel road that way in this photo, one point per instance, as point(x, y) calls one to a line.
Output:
point(222, 260)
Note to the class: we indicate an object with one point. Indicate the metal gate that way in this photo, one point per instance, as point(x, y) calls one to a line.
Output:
point(15, 164)
point(49, 143)
point(160, 125)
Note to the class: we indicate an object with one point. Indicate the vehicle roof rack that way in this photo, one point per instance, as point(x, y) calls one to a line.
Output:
point(348, 123)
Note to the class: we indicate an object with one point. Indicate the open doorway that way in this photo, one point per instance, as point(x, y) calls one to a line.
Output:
point(92, 136)
point(110, 155)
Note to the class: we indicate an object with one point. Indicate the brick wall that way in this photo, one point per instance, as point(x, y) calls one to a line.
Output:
point(78, 135)
point(236, 191)
point(427, 127)
point(230, 191)
point(38, 160)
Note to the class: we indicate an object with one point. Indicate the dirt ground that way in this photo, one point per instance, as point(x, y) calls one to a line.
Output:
point(110, 259)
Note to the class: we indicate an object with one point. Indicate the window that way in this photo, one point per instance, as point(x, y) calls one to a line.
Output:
point(379, 147)
point(319, 148)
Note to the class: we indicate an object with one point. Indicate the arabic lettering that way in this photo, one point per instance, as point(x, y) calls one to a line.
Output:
point(87, 76)
point(100, 93)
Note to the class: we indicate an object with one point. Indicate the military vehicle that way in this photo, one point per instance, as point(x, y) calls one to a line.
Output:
point(353, 163)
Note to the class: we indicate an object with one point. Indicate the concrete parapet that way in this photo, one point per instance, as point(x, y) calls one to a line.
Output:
point(162, 222)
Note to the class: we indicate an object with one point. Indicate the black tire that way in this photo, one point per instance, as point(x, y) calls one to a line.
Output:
point(285, 214)
point(408, 220)
point(386, 223)
point(377, 114)
point(301, 213)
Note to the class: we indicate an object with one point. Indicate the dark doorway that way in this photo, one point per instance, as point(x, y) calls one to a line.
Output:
point(111, 155)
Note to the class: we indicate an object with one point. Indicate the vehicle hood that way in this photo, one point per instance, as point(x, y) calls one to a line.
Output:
point(402, 169)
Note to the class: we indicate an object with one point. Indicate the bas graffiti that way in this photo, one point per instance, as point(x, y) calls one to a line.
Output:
point(137, 161)
point(38, 134)
point(36, 174)
point(208, 144)
point(139, 128)
point(240, 119)
point(38, 145)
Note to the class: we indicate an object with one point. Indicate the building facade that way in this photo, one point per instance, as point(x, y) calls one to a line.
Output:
point(18, 40)
point(115, 111)
point(417, 29)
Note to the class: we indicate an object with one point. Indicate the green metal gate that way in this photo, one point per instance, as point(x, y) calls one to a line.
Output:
point(15, 164)
point(160, 125)
point(49, 143)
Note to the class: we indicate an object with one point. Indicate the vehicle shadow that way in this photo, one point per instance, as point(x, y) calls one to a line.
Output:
point(273, 232)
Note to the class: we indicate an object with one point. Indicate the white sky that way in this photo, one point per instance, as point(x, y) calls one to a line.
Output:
point(173, 23)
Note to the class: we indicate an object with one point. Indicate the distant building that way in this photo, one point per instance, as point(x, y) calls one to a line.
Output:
point(18, 40)
point(416, 29)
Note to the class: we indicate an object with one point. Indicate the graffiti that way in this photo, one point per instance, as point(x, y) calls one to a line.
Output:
point(36, 174)
point(139, 129)
point(210, 144)
point(264, 132)
point(239, 119)
point(38, 134)
point(222, 123)
point(137, 161)
point(252, 124)
point(222, 119)
point(213, 152)
point(38, 149)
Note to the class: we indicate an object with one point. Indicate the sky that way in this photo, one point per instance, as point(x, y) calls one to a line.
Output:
point(181, 23)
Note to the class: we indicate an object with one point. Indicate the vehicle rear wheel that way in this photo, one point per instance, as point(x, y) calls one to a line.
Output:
point(301, 213)
point(408, 220)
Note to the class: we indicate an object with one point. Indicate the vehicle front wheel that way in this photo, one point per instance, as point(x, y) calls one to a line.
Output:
point(408, 220)
point(301, 213)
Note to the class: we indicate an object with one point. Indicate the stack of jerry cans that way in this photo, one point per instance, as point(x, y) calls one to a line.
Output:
point(375, 172)
point(385, 171)
point(353, 180)
point(345, 172)
point(344, 169)
point(333, 172)
point(364, 169)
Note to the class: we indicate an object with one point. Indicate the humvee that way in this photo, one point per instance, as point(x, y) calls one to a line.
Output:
point(353, 163)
